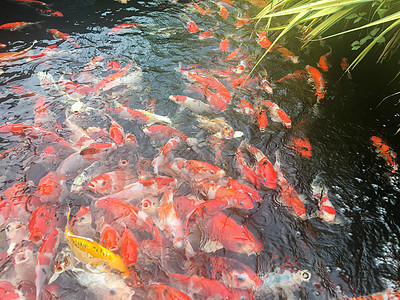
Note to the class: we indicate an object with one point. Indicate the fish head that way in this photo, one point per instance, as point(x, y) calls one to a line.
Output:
point(83, 215)
point(241, 279)
point(97, 151)
point(131, 141)
point(16, 231)
point(63, 261)
point(8, 291)
point(49, 188)
point(43, 220)
point(101, 184)
point(266, 173)
point(244, 241)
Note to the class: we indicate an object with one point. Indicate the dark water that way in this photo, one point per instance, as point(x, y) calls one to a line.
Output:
point(357, 256)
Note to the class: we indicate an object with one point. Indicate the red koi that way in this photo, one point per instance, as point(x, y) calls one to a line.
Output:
point(194, 169)
point(163, 132)
point(109, 237)
point(247, 173)
point(113, 65)
point(207, 34)
point(192, 27)
point(298, 74)
point(47, 253)
point(97, 151)
point(241, 187)
point(13, 56)
point(128, 114)
point(234, 54)
point(49, 12)
point(245, 107)
point(263, 41)
point(45, 51)
point(110, 183)
point(16, 25)
point(323, 62)
point(123, 27)
point(18, 189)
point(344, 64)
point(110, 78)
point(162, 291)
point(128, 216)
point(261, 118)
point(277, 114)
point(215, 100)
point(199, 8)
point(266, 86)
point(163, 154)
point(63, 36)
point(286, 53)
point(318, 80)
point(31, 2)
point(49, 188)
point(9, 291)
point(42, 221)
point(116, 132)
point(128, 249)
point(222, 10)
point(302, 146)
point(385, 152)
point(224, 45)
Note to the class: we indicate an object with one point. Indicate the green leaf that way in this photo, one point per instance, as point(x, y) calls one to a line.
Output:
point(381, 40)
point(364, 39)
point(355, 47)
point(355, 43)
point(374, 31)
point(381, 12)
point(351, 16)
point(357, 20)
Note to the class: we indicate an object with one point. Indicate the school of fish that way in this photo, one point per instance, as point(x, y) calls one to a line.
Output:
point(171, 226)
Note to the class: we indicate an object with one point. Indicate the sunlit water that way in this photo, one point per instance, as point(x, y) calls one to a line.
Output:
point(358, 255)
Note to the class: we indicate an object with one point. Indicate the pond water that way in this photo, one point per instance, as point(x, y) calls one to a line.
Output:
point(357, 254)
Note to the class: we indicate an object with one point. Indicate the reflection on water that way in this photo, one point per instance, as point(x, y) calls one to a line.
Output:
point(299, 201)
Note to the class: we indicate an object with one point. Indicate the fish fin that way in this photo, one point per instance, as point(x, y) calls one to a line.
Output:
point(53, 278)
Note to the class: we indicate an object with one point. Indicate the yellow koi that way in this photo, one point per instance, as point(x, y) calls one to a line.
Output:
point(89, 252)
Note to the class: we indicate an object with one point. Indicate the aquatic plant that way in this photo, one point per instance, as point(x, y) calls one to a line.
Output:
point(379, 21)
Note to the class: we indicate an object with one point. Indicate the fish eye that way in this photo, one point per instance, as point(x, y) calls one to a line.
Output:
point(243, 233)
point(240, 277)
point(212, 172)
point(103, 183)
point(306, 275)
point(8, 228)
point(241, 203)
point(112, 292)
point(47, 222)
point(243, 298)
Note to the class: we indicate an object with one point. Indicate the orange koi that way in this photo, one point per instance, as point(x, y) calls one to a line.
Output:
point(110, 183)
point(234, 54)
point(242, 21)
point(215, 100)
point(63, 36)
point(247, 172)
point(385, 152)
point(49, 188)
point(116, 132)
point(323, 62)
point(162, 291)
point(302, 146)
point(47, 252)
point(45, 51)
point(194, 169)
point(207, 34)
point(288, 195)
point(96, 151)
point(318, 80)
point(277, 114)
point(109, 237)
point(263, 41)
point(12, 56)
point(94, 63)
point(241, 187)
point(163, 132)
point(16, 25)
point(222, 10)
point(298, 74)
point(113, 65)
point(245, 107)
point(289, 55)
point(110, 78)
point(49, 12)
point(224, 45)
point(3, 45)
point(194, 105)
point(128, 216)
point(42, 221)
point(344, 64)
point(261, 118)
point(164, 153)
point(199, 8)
point(266, 86)
point(31, 2)
point(387, 294)
point(244, 81)
point(125, 26)
point(192, 27)
point(128, 248)
point(128, 113)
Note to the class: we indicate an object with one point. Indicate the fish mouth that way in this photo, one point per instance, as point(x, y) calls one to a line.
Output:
point(36, 238)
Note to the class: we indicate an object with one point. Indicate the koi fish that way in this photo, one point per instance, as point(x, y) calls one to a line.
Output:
point(199, 8)
point(153, 118)
point(49, 188)
point(164, 153)
point(264, 170)
point(245, 107)
point(320, 193)
point(234, 54)
point(263, 41)
point(301, 145)
point(261, 118)
point(89, 252)
point(128, 216)
point(241, 21)
point(31, 2)
point(232, 273)
point(385, 152)
point(162, 291)
point(241, 187)
point(116, 132)
point(215, 100)
point(113, 65)
point(387, 294)
point(42, 221)
point(318, 80)
point(222, 10)
point(13, 56)
point(286, 53)
point(49, 12)
point(8, 290)
point(16, 25)
point(248, 173)
point(109, 81)
point(109, 237)
point(16, 232)
point(344, 64)
point(63, 36)
point(298, 74)
point(288, 195)
point(224, 45)
point(277, 114)
point(110, 183)
point(266, 85)
point(207, 34)
point(46, 254)
point(192, 27)
point(121, 27)
point(192, 104)
point(193, 169)
point(323, 63)
point(97, 151)
point(162, 132)
point(128, 114)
